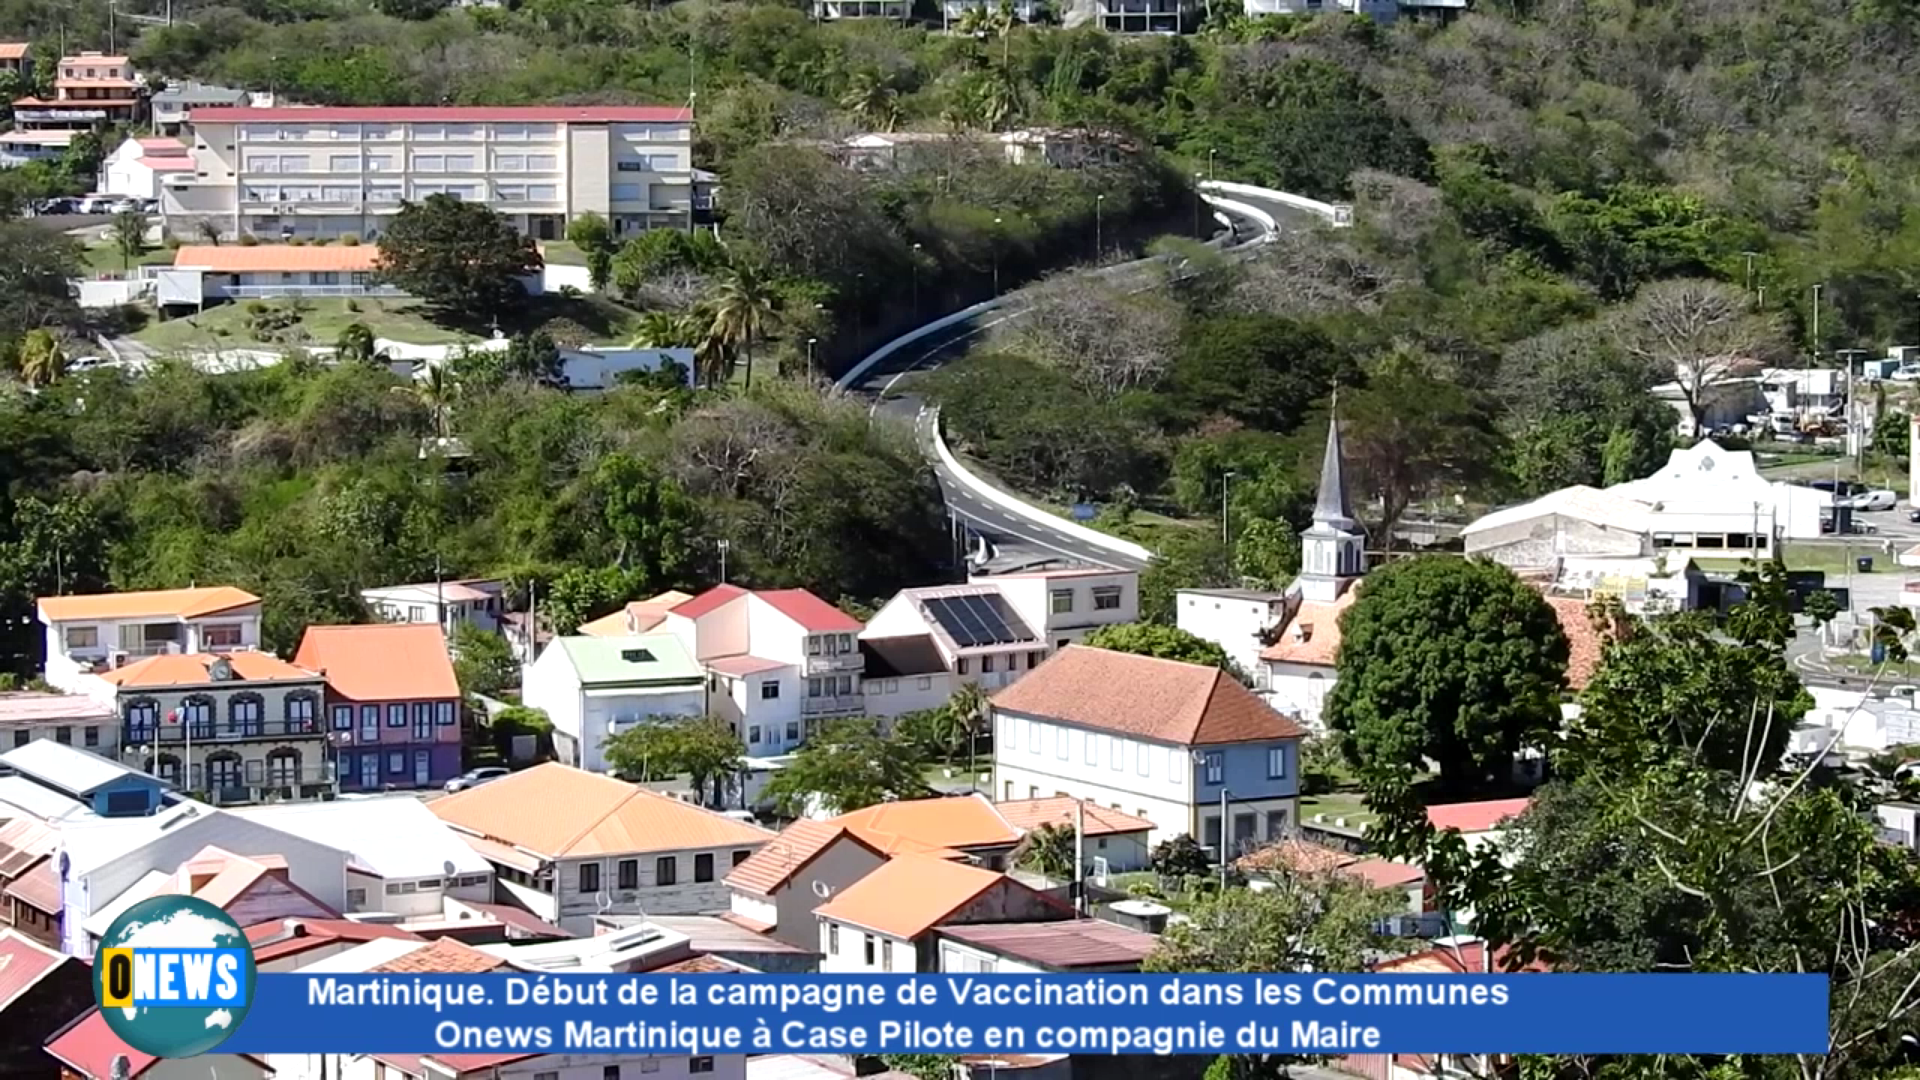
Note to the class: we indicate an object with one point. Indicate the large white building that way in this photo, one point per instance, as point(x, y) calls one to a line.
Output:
point(1706, 502)
point(286, 172)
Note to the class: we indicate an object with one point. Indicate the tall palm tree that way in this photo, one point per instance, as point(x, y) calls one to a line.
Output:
point(969, 706)
point(435, 389)
point(745, 309)
point(41, 361)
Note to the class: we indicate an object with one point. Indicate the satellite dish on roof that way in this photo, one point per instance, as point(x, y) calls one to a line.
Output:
point(821, 889)
point(448, 867)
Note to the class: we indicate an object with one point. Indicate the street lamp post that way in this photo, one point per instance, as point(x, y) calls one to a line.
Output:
point(1196, 206)
point(916, 283)
point(1209, 163)
point(996, 256)
point(1226, 512)
point(811, 342)
point(1099, 205)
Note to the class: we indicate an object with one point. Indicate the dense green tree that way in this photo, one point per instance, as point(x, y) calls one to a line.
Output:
point(129, 232)
point(582, 593)
point(1179, 856)
point(1263, 371)
point(844, 767)
point(1165, 642)
point(459, 256)
point(1047, 851)
point(1410, 433)
point(591, 233)
point(1305, 922)
point(483, 662)
point(705, 748)
point(1450, 660)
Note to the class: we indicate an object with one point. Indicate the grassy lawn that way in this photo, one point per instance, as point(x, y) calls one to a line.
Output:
point(1337, 804)
point(323, 318)
point(562, 253)
point(97, 259)
point(225, 326)
point(1864, 665)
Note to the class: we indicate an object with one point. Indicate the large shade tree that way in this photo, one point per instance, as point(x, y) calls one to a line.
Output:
point(458, 256)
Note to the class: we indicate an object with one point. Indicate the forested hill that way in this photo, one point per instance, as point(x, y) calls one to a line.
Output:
point(1639, 138)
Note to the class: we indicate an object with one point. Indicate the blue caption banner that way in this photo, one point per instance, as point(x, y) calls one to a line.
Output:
point(1079, 1014)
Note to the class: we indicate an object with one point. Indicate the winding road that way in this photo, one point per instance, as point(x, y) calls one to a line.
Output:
point(1014, 540)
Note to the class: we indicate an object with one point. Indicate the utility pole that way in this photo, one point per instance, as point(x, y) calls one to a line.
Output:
point(1223, 841)
point(1099, 206)
point(1079, 857)
point(1226, 512)
point(996, 256)
point(1196, 206)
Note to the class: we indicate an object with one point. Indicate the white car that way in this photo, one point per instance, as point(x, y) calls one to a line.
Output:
point(1877, 499)
point(473, 778)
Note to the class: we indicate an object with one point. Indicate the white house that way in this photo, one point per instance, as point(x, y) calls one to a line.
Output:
point(99, 633)
point(1705, 502)
point(1237, 620)
point(776, 891)
point(406, 861)
point(73, 719)
point(478, 602)
point(1184, 746)
point(778, 662)
point(569, 845)
point(592, 688)
point(138, 166)
point(926, 642)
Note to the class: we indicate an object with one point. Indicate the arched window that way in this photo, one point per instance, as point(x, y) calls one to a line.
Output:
point(303, 712)
point(167, 768)
point(142, 715)
point(283, 767)
point(198, 712)
point(246, 715)
point(223, 771)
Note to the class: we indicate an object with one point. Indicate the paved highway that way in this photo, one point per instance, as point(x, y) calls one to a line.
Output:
point(1013, 540)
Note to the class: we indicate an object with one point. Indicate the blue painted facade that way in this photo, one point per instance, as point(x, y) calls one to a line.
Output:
point(132, 795)
point(1246, 771)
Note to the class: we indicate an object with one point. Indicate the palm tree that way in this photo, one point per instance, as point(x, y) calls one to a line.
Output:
point(871, 97)
point(41, 361)
point(435, 389)
point(659, 330)
point(1047, 850)
point(355, 344)
point(745, 308)
point(968, 706)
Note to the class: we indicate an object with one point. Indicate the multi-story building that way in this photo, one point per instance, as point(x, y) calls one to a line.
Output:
point(478, 601)
point(17, 147)
point(593, 688)
point(90, 90)
point(287, 172)
point(926, 642)
point(1177, 744)
point(73, 719)
point(135, 168)
point(1141, 16)
point(861, 9)
point(569, 845)
point(16, 58)
point(393, 704)
point(779, 662)
point(171, 105)
point(88, 635)
point(240, 726)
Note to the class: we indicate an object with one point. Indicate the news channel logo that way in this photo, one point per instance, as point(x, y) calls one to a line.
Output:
point(174, 976)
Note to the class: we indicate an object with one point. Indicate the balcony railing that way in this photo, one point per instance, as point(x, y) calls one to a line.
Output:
point(134, 735)
point(836, 664)
point(249, 291)
point(833, 706)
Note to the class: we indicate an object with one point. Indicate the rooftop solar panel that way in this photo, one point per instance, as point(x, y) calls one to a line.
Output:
point(973, 620)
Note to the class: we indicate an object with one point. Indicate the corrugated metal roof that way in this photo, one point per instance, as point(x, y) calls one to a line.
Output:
point(1066, 945)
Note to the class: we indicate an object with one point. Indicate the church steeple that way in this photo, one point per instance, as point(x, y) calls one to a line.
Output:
point(1332, 552)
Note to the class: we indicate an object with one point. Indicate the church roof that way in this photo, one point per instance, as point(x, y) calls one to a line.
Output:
point(1332, 507)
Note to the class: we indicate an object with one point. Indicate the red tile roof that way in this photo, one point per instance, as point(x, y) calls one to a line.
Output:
point(1384, 873)
point(430, 114)
point(13, 50)
point(277, 258)
point(814, 614)
point(1475, 817)
point(911, 894)
point(167, 164)
point(382, 662)
point(88, 1047)
point(24, 962)
point(1145, 697)
point(712, 600)
point(194, 669)
point(1312, 637)
point(1078, 943)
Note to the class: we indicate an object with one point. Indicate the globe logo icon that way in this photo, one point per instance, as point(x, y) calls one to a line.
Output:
point(171, 1031)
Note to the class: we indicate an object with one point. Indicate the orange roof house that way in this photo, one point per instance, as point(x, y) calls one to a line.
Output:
point(194, 603)
point(276, 259)
point(381, 662)
point(967, 823)
point(600, 845)
point(909, 896)
point(1145, 697)
point(1473, 818)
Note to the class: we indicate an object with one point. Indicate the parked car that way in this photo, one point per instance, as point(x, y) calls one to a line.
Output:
point(473, 778)
point(96, 204)
point(124, 205)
